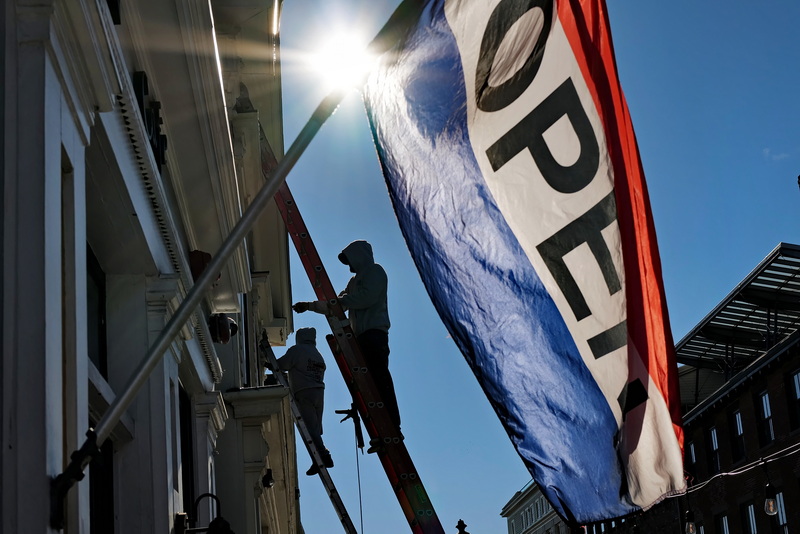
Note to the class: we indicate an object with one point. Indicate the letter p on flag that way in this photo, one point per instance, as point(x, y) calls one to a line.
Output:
point(513, 169)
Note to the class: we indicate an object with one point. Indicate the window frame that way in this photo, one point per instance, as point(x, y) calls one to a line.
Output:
point(780, 519)
point(793, 398)
point(721, 524)
point(738, 450)
point(749, 523)
point(766, 425)
point(714, 462)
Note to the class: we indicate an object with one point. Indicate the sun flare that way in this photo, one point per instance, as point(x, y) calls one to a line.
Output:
point(342, 61)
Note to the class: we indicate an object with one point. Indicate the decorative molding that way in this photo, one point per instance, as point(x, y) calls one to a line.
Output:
point(88, 20)
point(210, 405)
point(134, 124)
point(195, 33)
point(197, 30)
point(167, 291)
point(257, 404)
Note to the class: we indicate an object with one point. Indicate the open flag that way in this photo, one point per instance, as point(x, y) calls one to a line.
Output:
point(513, 168)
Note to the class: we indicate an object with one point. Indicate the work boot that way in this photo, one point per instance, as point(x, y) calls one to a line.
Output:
point(327, 461)
point(375, 445)
point(313, 470)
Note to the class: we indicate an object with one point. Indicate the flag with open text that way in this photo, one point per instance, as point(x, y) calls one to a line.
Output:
point(512, 165)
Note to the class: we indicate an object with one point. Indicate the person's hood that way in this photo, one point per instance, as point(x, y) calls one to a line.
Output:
point(306, 335)
point(358, 255)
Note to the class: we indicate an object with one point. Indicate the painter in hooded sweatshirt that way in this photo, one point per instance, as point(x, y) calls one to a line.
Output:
point(305, 368)
point(365, 300)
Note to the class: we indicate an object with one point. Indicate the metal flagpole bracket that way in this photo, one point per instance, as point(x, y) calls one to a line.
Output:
point(60, 485)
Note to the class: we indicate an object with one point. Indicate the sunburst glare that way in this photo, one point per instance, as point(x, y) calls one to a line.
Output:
point(342, 61)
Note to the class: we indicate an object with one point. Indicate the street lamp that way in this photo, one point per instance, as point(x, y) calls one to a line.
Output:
point(770, 503)
point(217, 526)
point(689, 525)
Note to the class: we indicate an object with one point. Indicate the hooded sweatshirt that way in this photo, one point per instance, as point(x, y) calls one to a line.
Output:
point(304, 363)
point(365, 295)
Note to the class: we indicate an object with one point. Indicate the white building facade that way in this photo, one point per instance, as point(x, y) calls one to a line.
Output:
point(528, 512)
point(130, 150)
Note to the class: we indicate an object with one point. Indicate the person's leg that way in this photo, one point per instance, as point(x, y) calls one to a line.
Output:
point(319, 406)
point(307, 403)
point(374, 346)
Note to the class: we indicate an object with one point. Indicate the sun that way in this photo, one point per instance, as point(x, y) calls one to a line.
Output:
point(342, 61)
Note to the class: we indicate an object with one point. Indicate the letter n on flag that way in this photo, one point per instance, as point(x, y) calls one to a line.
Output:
point(511, 161)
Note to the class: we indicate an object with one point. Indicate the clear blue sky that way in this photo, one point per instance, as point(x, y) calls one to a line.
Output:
point(714, 92)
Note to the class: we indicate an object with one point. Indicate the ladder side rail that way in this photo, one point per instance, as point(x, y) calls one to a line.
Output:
point(314, 452)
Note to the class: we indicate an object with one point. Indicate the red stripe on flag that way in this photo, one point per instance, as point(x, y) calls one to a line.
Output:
point(586, 25)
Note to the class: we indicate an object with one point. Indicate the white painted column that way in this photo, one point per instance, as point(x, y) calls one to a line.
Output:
point(127, 334)
point(32, 429)
point(76, 371)
point(210, 419)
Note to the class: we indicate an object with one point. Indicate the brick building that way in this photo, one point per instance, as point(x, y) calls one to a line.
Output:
point(740, 392)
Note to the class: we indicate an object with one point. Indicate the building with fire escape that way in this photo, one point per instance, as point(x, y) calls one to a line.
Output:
point(739, 374)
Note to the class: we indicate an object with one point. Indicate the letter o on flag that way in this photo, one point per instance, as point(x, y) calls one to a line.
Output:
point(504, 16)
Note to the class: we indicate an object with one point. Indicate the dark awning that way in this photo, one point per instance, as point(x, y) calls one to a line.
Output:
point(763, 309)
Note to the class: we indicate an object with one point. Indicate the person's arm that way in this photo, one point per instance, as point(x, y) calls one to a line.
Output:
point(317, 306)
point(286, 361)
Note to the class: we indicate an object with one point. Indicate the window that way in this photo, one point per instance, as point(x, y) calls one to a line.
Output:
point(96, 313)
point(513, 527)
point(783, 527)
point(766, 430)
point(721, 522)
point(691, 457)
point(713, 451)
point(187, 452)
point(737, 436)
point(749, 519)
point(793, 395)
